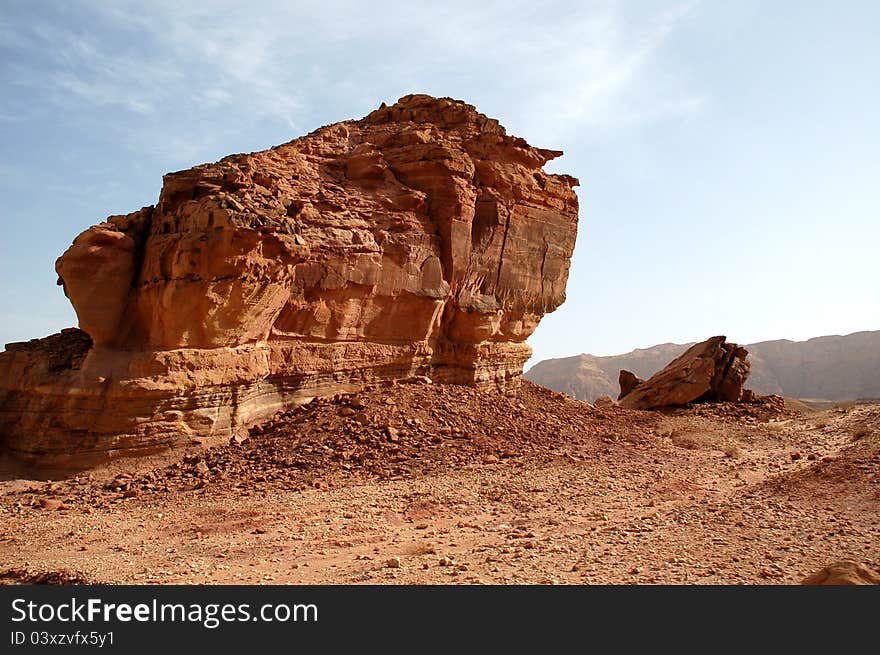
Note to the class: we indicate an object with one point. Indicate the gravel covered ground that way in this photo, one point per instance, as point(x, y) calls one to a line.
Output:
point(425, 484)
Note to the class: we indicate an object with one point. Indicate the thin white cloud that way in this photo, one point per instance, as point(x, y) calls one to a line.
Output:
point(552, 69)
point(78, 66)
point(604, 72)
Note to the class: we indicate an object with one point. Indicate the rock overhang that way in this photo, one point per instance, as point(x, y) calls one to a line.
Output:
point(421, 239)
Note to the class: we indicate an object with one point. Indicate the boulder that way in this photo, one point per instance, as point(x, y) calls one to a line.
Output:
point(419, 240)
point(843, 573)
point(712, 370)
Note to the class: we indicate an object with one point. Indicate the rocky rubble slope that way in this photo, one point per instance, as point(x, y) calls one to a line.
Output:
point(426, 483)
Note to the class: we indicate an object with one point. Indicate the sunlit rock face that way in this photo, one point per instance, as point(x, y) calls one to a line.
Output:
point(419, 240)
point(710, 371)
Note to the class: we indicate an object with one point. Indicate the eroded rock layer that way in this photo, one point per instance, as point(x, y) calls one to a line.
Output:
point(421, 239)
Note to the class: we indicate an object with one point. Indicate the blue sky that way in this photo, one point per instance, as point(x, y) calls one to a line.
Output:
point(728, 152)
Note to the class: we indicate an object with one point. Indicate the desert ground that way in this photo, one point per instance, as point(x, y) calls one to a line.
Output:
point(419, 483)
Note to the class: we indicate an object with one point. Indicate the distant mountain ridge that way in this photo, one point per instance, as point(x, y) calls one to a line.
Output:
point(829, 367)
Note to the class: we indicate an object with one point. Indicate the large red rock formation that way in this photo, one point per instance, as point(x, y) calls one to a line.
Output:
point(421, 239)
point(711, 370)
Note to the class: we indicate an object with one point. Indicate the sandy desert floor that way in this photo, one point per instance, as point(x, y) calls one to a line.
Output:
point(430, 484)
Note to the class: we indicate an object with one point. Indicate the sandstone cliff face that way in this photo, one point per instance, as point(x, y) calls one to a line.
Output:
point(421, 239)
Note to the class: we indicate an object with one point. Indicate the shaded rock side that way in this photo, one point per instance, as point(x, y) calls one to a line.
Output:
point(627, 381)
point(712, 370)
point(421, 239)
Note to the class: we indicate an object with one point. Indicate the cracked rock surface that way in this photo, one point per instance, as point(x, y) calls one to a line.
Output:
point(419, 240)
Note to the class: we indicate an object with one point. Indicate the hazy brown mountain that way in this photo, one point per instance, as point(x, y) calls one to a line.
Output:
point(830, 368)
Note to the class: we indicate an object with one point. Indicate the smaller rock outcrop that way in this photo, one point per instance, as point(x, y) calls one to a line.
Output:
point(713, 370)
point(843, 573)
point(628, 381)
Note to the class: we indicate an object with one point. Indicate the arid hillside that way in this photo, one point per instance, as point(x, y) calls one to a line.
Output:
point(423, 483)
point(828, 368)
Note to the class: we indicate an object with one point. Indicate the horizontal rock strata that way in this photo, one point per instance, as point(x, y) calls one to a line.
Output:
point(420, 240)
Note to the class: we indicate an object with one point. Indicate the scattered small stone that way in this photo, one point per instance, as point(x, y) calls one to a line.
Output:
point(770, 573)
